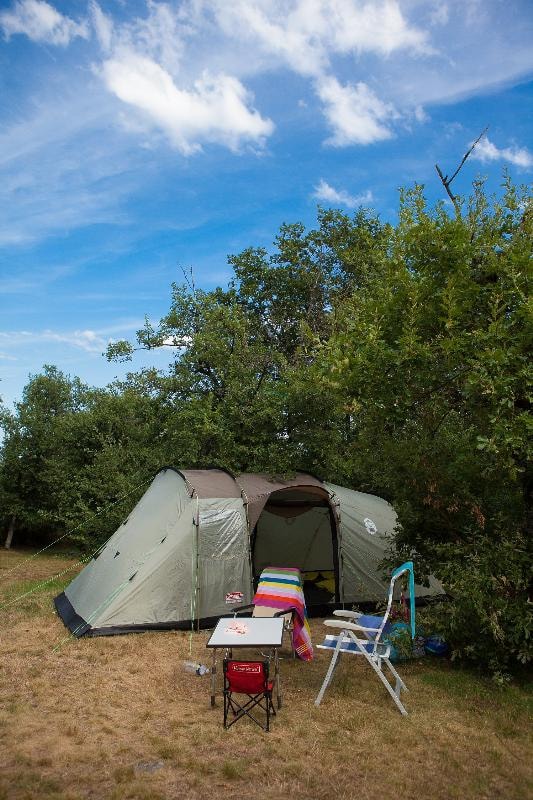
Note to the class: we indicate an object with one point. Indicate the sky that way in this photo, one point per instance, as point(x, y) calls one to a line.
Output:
point(139, 138)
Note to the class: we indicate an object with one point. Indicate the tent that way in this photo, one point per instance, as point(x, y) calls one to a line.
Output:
point(198, 539)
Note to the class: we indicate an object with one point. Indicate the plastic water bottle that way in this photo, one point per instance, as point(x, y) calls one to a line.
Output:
point(195, 668)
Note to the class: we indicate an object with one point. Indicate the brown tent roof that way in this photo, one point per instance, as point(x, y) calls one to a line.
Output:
point(256, 488)
point(211, 482)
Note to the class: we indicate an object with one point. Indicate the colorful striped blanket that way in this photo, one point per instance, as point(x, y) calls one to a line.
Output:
point(281, 588)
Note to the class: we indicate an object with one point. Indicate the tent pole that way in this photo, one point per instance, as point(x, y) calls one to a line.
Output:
point(244, 498)
point(197, 563)
point(194, 567)
point(334, 517)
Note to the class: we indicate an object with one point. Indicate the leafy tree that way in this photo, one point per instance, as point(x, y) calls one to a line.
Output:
point(70, 453)
point(238, 384)
point(432, 362)
point(33, 457)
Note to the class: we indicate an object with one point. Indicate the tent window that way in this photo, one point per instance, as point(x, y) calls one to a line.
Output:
point(221, 534)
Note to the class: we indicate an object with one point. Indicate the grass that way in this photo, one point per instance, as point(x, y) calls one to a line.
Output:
point(118, 718)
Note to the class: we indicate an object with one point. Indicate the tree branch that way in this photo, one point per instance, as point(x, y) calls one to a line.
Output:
point(189, 279)
point(446, 185)
point(447, 181)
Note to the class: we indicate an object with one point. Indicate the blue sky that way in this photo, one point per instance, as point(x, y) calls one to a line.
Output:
point(140, 136)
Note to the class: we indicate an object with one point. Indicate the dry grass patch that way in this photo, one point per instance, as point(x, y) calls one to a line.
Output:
point(119, 718)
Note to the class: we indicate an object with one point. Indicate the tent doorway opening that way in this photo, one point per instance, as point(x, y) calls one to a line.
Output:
point(298, 528)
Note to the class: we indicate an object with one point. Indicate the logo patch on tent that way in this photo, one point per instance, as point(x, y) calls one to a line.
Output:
point(370, 525)
point(234, 597)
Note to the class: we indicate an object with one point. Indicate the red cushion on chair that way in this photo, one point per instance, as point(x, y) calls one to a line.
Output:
point(246, 677)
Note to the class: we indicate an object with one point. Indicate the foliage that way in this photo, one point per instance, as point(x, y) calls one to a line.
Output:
point(238, 384)
point(70, 453)
point(432, 362)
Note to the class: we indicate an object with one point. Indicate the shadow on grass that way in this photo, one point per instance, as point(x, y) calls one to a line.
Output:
point(469, 686)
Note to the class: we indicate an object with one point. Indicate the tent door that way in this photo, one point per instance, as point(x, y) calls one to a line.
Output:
point(299, 529)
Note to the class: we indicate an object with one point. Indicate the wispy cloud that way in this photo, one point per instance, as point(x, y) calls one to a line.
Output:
point(485, 151)
point(324, 191)
point(103, 26)
point(41, 22)
point(90, 341)
point(45, 187)
point(216, 109)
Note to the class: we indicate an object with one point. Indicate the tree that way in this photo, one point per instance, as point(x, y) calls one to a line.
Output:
point(238, 384)
point(70, 453)
point(432, 362)
point(33, 456)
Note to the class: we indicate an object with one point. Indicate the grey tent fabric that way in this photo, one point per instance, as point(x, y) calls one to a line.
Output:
point(198, 539)
point(367, 524)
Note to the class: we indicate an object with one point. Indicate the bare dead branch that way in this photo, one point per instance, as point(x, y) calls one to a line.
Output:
point(446, 184)
point(447, 181)
point(189, 279)
point(481, 135)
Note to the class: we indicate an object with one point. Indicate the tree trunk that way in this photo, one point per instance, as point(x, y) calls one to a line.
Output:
point(10, 532)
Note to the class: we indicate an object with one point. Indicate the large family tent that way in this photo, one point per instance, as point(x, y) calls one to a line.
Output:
point(198, 539)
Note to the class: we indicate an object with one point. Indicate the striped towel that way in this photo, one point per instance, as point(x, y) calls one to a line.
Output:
point(281, 588)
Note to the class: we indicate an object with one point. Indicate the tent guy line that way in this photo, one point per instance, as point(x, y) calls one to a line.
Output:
point(73, 530)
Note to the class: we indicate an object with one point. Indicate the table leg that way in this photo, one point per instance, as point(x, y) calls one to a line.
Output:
point(276, 674)
point(214, 676)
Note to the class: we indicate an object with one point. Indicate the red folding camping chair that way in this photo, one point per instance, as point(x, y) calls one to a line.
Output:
point(249, 678)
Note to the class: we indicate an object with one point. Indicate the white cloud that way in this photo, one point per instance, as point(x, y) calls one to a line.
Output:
point(304, 34)
point(323, 191)
point(41, 22)
point(103, 26)
point(485, 151)
point(288, 34)
point(216, 109)
point(355, 113)
point(377, 27)
point(88, 340)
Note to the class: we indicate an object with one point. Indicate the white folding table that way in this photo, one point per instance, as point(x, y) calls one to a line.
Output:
point(256, 632)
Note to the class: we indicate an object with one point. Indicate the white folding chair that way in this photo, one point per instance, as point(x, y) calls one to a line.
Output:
point(369, 644)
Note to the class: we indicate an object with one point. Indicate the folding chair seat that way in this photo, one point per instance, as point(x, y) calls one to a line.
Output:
point(248, 678)
point(361, 635)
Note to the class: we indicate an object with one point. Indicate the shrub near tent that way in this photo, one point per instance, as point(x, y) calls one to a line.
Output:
point(198, 539)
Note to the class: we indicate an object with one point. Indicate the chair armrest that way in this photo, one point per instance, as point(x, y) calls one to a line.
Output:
point(283, 611)
point(349, 614)
point(347, 626)
point(236, 611)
